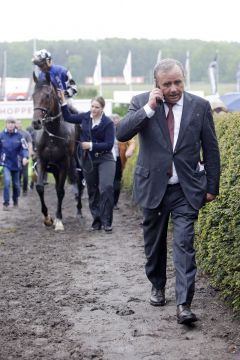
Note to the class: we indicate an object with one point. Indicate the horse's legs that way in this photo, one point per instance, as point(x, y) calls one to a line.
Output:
point(40, 190)
point(60, 178)
point(60, 181)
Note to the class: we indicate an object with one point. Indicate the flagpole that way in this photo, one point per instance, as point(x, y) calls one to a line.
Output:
point(213, 74)
point(238, 79)
point(187, 70)
point(100, 74)
point(4, 76)
point(35, 67)
point(127, 70)
point(159, 56)
point(100, 89)
point(97, 75)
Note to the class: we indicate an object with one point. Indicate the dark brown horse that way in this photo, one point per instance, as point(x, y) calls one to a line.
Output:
point(56, 143)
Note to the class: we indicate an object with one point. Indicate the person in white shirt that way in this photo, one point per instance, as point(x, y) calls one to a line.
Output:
point(176, 132)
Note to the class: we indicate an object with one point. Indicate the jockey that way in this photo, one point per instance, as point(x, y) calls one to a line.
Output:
point(60, 76)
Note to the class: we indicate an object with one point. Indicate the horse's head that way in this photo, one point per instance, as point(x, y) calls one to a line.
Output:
point(46, 106)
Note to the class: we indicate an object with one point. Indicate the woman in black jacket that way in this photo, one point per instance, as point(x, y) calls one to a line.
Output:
point(97, 139)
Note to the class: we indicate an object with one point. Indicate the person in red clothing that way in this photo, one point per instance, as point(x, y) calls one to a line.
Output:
point(122, 152)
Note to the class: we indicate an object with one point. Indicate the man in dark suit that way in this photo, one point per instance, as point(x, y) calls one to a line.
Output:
point(177, 171)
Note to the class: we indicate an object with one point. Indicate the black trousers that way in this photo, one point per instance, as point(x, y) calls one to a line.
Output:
point(23, 178)
point(117, 180)
point(100, 188)
point(155, 225)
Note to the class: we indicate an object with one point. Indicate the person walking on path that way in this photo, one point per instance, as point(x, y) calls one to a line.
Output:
point(122, 152)
point(13, 154)
point(23, 173)
point(177, 172)
point(97, 139)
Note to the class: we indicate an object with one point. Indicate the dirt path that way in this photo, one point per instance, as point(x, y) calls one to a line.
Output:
point(81, 295)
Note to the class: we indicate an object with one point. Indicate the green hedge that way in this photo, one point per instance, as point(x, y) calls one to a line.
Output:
point(218, 228)
point(127, 181)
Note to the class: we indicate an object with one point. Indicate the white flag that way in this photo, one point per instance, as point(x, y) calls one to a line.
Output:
point(213, 75)
point(4, 77)
point(238, 78)
point(187, 71)
point(159, 56)
point(127, 71)
point(97, 75)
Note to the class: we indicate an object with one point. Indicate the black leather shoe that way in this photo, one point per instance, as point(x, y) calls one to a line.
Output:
point(157, 297)
point(185, 315)
point(96, 227)
point(107, 229)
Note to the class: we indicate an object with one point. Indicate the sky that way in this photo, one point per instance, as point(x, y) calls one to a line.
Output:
point(208, 20)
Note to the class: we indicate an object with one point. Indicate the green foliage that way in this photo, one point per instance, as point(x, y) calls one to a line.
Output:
point(128, 173)
point(218, 228)
point(85, 92)
point(121, 110)
point(80, 56)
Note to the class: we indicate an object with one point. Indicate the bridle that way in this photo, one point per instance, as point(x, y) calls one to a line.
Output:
point(47, 111)
point(46, 115)
point(47, 118)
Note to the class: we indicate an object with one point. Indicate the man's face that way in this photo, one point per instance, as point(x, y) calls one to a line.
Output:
point(10, 126)
point(171, 83)
point(18, 124)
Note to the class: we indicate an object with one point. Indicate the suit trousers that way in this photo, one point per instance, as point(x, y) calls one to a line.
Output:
point(155, 226)
point(100, 188)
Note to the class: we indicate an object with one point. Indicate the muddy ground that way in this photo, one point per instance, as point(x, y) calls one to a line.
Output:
point(81, 295)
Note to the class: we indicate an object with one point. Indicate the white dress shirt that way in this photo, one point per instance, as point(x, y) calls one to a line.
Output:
point(177, 112)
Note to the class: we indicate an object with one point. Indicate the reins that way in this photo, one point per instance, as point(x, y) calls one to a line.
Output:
point(47, 118)
point(82, 156)
point(53, 135)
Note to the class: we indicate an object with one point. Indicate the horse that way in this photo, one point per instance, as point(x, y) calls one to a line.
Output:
point(56, 148)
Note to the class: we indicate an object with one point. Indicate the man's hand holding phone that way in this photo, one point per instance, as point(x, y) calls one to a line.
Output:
point(155, 97)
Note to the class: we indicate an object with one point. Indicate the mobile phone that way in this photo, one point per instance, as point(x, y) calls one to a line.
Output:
point(158, 100)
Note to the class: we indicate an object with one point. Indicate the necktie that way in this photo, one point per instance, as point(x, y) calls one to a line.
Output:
point(170, 123)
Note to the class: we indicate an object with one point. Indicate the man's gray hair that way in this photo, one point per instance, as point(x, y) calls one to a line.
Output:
point(11, 119)
point(167, 64)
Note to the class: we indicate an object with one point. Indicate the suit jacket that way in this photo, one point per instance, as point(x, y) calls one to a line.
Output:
point(197, 140)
